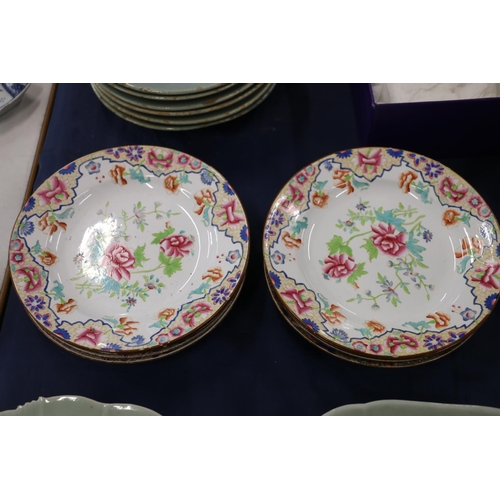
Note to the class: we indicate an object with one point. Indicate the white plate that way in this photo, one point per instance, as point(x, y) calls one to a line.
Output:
point(11, 95)
point(129, 249)
point(383, 253)
point(66, 406)
point(403, 408)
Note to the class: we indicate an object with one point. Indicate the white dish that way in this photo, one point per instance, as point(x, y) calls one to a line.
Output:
point(11, 95)
point(411, 408)
point(77, 406)
point(129, 250)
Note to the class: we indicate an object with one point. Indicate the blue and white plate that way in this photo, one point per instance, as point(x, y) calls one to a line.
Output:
point(11, 95)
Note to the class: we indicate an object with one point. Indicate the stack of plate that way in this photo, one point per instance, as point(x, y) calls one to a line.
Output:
point(181, 106)
point(382, 257)
point(130, 254)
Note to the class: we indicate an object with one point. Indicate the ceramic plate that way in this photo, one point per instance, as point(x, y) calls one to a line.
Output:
point(403, 408)
point(138, 103)
point(66, 406)
point(129, 249)
point(11, 95)
point(353, 357)
point(197, 119)
point(172, 88)
point(242, 110)
point(383, 253)
point(171, 98)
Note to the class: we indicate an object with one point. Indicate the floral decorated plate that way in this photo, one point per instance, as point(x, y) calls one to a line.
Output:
point(383, 253)
point(129, 250)
point(66, 406)
point(11, 95)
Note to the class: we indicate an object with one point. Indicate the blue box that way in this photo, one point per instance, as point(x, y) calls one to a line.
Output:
point(465, 127)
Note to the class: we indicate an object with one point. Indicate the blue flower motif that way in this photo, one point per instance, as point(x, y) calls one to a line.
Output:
point(344, 154)
point(227, 188)
point(233, 256)
point(115, 152)
point(68, 169)
point(275, 279)
point(34, 303)
point(327, 164)
point(361, 207)
point(432, 342)
point(43, 318)
point(205, 177)
point(233, 281)
point(111, 347)
point(416, 159)
point(395, 153)
point(220, 295)
point(278, 257)
point(277, 218)
point(269, 232)
point(244, 233)
point(93, 167)
point(138, 339)
point(433, 170)
point(311, 324)
point(453, 337)
point(29, 205)
point(62, 333)
point(26, 228)
point(134, 152)
point(338, 334)
point(468, 314)
point(490, 301)
point(427, 236)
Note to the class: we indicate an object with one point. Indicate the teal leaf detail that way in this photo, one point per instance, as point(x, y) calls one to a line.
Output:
point(36, 248)
point(415, 249)
point(423, 191)
point(359, 184)
point(201, 290)
point(138, 175)
point(319, 186)
point(184, 178)
point(357, 273)
point(324, 300)
point(463, 264)
point(336, 244)
point(109, 285)
point(111, 320)
point(57, 291)
point(421, 325)
point(160, 236)
point(206, 216)
point(67, 213)
point(389, 218)
point(298, 226)
point(370, 248)
point(365, 332)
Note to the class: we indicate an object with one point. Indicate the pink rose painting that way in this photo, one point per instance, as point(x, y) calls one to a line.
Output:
point(176, 245)
point(55, 193)
point(119, 260)
point(339, 265)
point(89, 336)
point(370, 161)
point(487, 275)
point(232, 218)
point(300, 305)
point(154, 160)
point(32, 278)
point(451, 188)
point(387, 240)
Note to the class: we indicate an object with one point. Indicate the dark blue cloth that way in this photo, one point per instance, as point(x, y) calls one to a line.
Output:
point(253, 363)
